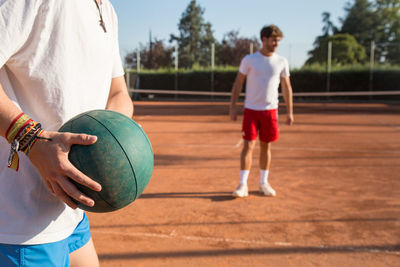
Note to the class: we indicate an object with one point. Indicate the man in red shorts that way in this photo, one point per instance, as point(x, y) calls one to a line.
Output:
point(263, 70)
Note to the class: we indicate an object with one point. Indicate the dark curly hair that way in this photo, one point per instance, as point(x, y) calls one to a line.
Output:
point(270, 30)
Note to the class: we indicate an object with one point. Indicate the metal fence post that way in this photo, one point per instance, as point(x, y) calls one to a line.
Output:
point(176, 62)
point(371, 66)
point(212, 68)
point(329, 63)
point(128, 78)
point(138, 59)
point(137, 84)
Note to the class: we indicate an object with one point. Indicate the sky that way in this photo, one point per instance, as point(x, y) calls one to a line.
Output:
point(299, 20)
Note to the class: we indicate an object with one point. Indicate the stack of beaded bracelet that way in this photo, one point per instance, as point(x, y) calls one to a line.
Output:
point(22, 134)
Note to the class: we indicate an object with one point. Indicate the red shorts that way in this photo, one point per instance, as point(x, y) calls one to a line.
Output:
point(263, 121)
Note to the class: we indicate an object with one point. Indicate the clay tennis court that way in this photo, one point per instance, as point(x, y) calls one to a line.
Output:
point(336, 172)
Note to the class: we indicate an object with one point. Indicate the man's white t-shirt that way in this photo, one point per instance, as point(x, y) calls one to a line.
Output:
point(56, 61)
point(262, 79)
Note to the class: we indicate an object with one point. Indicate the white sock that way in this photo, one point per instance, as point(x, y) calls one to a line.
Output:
point(244, 175)
point(264, 176)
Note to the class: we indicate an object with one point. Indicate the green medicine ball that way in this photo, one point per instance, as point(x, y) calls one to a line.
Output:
point(121, 160)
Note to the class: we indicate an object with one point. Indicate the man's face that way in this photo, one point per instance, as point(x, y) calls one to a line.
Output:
point(271, 43)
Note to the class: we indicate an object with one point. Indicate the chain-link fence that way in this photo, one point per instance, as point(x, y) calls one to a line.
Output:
point(376, 73)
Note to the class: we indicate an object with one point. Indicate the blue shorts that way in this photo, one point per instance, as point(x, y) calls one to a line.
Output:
point(51, 254)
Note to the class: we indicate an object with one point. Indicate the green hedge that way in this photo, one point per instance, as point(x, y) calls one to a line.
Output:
point(302, 81)
point(188, 81)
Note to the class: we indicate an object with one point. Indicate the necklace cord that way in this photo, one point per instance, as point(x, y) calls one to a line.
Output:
point(101, 16)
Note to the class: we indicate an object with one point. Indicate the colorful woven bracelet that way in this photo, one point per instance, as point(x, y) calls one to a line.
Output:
point(22, 134)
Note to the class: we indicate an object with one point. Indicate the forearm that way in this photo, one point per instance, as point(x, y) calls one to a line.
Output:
point(237, 88)
point(8, 112)
point(119, 99)
point(120, 102)
point(235, 93)
point(50, 158)
point(288, 98)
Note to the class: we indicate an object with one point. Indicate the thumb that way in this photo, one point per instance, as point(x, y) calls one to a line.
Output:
point(83, 139)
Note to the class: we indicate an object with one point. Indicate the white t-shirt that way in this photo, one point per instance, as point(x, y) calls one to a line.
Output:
point(56, 62)
point(262, 79)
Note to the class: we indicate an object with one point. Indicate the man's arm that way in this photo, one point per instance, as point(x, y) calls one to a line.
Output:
point(51, 157)
point(8, 111)
point(288, 97)
point(119, 99)
point(236, 90)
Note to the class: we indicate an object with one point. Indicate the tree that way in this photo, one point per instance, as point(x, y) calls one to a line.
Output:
point(328, 28)
point(388, 39)
point(152, 56)
point(377, 21)
point(233, 48)
point(362, 22)
point(195, 37)
point(345, 50)
point(367, 21)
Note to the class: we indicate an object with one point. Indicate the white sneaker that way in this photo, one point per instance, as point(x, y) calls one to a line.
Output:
point(241, 191)
point(267, 190)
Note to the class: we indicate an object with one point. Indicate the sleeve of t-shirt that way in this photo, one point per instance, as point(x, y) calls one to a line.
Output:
point(244, 66)
point(118, 69)
point(285, 71)
point(8, 89)
point(16, 22)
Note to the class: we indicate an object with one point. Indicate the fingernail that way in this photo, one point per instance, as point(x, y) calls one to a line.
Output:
point(91, 203)
point(93, 138)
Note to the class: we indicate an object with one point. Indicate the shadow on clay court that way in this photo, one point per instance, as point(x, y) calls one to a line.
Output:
point(214, 196)
point(183, 109)
point(222, 108)
point(332, 108)
point(171, 160)
point(299, 221)
point(254, 251)
point(166, 160)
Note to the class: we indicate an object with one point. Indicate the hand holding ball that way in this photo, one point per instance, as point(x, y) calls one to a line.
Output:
point(121, 160)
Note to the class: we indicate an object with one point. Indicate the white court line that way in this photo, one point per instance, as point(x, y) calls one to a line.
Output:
point(193, 238)
point(338, 150)
point(230, 240)
point(393, 126)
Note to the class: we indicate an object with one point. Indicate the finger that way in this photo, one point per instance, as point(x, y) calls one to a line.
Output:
point(82, 139)
point(63, 196)
point(73, 173)
point(49, 186)
point(72, 191)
